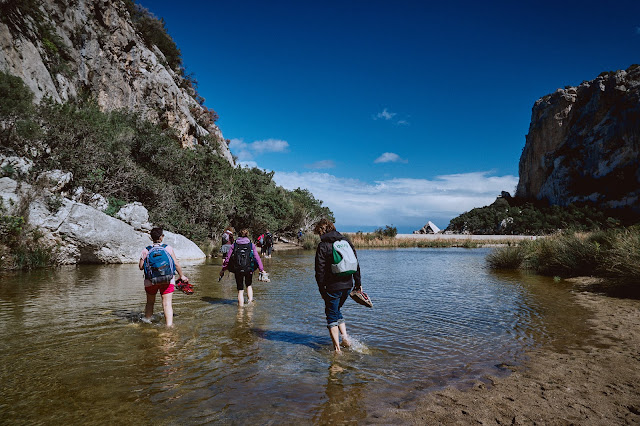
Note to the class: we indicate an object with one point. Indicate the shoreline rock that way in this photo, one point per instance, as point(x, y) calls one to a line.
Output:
point(83, 234)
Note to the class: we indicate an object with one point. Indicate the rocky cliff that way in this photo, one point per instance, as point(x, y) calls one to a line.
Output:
point(64, 49)
point(584, 144)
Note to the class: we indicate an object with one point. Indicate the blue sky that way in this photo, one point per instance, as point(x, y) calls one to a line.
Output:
point(392, 113)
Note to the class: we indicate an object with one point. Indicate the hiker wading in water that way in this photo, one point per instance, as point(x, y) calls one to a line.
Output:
point(334, 289)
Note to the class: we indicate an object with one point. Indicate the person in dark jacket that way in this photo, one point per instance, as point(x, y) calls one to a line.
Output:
point(334, 289)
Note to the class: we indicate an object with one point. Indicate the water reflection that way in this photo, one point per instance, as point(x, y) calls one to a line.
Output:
point(344, 401)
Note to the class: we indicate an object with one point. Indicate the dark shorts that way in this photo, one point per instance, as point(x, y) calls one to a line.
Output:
point(245, 278)
point(164, 288)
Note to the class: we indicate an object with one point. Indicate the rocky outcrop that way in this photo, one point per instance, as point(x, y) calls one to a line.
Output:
point(429, 228)
point(83, 234)
point(584, 144)
point(99, 52)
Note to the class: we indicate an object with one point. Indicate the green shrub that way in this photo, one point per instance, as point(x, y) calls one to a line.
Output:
point(387, 231)
point(21, 247)
point(506, 258)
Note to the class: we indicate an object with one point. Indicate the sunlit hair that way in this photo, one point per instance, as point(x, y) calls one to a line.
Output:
point(230, 229)
point(323, 226)
point(244, 233)
point(156, 233)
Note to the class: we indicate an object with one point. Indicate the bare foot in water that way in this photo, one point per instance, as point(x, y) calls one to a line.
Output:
point(346, 341)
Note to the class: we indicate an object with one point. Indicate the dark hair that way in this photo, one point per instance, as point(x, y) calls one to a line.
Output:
point(323, 226)
point(244, 233)
point(156, 233)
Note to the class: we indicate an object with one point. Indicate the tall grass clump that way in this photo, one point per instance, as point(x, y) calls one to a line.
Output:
point(510, 257)
point(611, 253)
point(310, 241)
point(622, 259)
point(565, 254)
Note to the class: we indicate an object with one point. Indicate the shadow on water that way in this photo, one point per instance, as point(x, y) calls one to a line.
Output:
point(218, 301)
point(313, 342)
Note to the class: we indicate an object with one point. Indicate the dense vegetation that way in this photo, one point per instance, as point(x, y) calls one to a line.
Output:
point(511, 216)
point(614, 254)
point(124, 158)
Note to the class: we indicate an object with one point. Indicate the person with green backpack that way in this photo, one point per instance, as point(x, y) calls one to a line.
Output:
point(337, 270)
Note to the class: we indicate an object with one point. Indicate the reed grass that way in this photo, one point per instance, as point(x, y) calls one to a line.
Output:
point(361, 240)
point(613, 254)
point(310, 241)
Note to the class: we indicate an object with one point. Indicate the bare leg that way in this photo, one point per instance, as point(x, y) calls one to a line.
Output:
point(335, 338)
point(148, 309)
point(250, 293)
point(240, 297)
point(168, 308)
point(345, 338)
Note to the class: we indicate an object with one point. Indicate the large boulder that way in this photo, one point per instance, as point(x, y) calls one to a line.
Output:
point(84, 234)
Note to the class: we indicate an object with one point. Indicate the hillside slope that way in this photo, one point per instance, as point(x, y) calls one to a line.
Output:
point(104, 49)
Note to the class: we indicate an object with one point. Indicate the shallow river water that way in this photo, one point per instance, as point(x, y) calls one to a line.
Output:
point(73, 349)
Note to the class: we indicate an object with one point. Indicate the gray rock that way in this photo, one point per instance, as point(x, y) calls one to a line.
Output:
point(98, 202)
point(84, 234)
point(21, 166)
point(136, 215)
point(55, 180)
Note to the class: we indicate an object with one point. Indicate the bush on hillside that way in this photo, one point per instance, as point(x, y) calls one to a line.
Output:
point(518, 217)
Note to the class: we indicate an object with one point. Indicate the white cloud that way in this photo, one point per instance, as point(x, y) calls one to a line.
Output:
point(385, 115)
point(247, 151)
point(390, 157)
point(323, 164)
point(270, 145)
point(401, 202)
point(389, 116)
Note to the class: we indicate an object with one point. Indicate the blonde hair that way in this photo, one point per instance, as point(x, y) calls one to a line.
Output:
point(323, 226)
point(244, 233)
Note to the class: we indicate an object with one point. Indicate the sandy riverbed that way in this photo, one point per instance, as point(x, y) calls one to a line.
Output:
point(595, 384)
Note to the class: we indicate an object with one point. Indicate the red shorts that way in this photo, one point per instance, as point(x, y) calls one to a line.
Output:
point(165, 288)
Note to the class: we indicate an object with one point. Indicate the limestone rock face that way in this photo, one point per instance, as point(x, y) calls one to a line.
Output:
point(107, 58)
point(84, 234)
point(584, 144)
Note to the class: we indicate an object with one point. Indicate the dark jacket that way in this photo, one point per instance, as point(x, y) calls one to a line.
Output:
point(327, 280)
